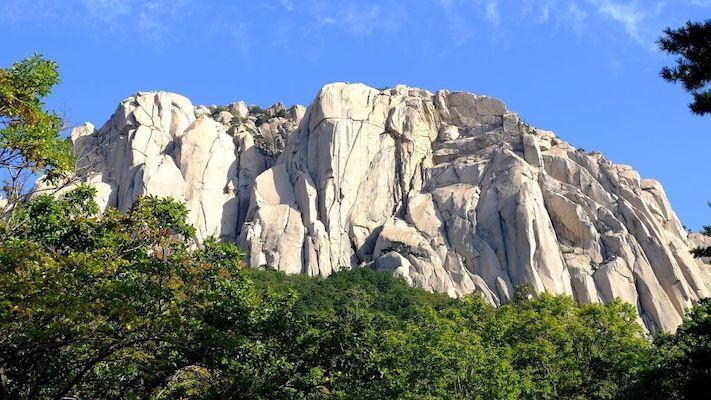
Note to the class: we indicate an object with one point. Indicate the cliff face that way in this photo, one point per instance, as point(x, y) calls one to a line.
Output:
point(449, 190)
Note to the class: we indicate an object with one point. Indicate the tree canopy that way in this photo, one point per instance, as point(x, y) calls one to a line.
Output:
point(120, 306)
point(692, 44)
point(30, 140)
point(680, 368)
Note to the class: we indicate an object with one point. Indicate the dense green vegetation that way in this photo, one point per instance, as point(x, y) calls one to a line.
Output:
point(691, 44)
point(123, 306)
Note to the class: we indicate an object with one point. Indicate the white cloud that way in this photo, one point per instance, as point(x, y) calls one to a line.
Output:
point(461, 20)
point(107, 10)
point(488, 8)
point(16, 11)
point(460, 29)
point(325, 20)
point(545, 12)
point(626, 14)
point(506, 16)
point(360, 18)
point(700, 3)
point(561, 14)
point(288, 5)
point(240, 37)
point(151, 19)
point(492, 12)
point(574, 17)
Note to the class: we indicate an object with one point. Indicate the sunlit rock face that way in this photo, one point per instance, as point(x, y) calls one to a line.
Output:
point(450, 191)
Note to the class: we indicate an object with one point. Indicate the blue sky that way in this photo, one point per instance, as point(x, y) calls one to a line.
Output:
point(586, 69)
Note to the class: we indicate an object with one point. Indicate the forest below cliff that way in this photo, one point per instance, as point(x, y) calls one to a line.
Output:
point(124, 306)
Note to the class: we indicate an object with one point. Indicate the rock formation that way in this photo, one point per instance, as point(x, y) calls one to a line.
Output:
point(450, 191)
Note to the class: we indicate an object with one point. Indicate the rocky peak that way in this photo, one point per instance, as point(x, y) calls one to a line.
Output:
point(449, 190)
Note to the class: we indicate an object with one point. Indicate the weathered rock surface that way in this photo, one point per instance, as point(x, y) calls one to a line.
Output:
point(450, 190)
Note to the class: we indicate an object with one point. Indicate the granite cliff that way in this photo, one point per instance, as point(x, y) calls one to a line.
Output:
point(449, 190)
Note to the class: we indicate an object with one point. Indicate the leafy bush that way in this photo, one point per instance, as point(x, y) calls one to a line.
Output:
point(261, 119)
point(272, 147)
point(404, 249)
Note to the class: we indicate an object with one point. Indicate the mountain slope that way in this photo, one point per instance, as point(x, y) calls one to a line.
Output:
point(449, 190)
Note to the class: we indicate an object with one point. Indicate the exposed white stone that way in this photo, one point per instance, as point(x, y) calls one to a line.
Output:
point(224, 117)
point(202, 110)
point(208, 163)
point(450, 191)
point(239, 109)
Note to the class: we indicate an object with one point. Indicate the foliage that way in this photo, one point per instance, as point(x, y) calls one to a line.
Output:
point(254, 109)
point(271, 147)
point(368, 335)
point(692, 44)
point(682, 364)
point(125, 306)
point(234, 124)
point(404, 249)
point(103, 307)
point(703, 251)
point(262, 119)
point(30, 143)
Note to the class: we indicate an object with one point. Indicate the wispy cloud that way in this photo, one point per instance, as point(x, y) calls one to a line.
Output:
point(361, 18)
point(152, 20)
point(156, 17)
point(17, 11)
point(240, 37)
point(506, 16)
point(700, 3)
point(629, 15)
point(158, 22)
point(558, 13)
point(325, 20)
point(492, 12)
point(574, 17)
point(288, 5)
point(460, 29)
point(108, 11)
point(639, 20)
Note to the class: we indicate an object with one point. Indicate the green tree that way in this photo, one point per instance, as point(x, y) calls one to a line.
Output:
point(692, 44)
point(30, 143)
point(703, 251)
point(681, 369)
point(565, 351)
point(108, 307)
point(125, 306)
point(372, 336)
